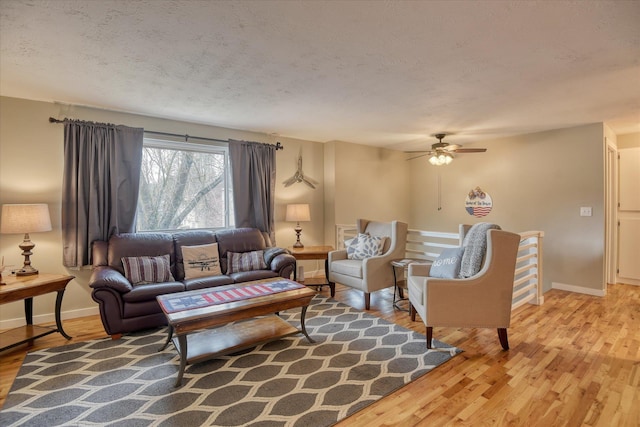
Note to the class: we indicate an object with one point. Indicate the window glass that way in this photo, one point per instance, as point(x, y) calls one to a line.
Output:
point(183, 186)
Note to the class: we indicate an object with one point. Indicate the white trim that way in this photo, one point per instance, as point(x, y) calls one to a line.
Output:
point(49, 318)
point(627, 281)
point(578, 289)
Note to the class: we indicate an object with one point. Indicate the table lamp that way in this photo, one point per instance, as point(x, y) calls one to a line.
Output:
point(297, 213)
point(25, 219)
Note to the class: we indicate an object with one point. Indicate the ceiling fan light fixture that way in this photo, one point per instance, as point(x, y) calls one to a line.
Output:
point(441, 158)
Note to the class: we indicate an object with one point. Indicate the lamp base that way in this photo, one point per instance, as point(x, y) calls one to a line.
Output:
point(298, 244)
point(27, 245)
point(27, 270)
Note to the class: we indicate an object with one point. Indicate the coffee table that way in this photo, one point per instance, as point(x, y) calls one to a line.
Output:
point(203, 333)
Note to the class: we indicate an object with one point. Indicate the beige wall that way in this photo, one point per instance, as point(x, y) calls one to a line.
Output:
point(628, 140)
point(364, 182)
point(31, 161)
point(537, 182)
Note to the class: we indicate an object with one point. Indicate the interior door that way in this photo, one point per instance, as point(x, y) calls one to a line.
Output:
point(629, 216)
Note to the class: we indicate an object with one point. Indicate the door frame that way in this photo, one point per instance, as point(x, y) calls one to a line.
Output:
point(611, 213)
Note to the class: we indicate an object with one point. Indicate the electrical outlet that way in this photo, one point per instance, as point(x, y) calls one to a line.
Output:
point(585, 211)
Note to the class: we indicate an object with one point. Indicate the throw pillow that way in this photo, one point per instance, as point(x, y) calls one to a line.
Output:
point(201, 260)
point(368, 246)
point(447, 265)
point(246, 261)
point(147, 269)
point(350, 245)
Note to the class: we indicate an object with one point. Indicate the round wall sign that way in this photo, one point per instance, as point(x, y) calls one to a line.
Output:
point(478, 203)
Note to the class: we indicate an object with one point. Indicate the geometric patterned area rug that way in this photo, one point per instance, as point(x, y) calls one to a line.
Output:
point(356, 360)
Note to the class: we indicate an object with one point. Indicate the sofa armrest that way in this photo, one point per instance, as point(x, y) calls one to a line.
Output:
point(102, 277)
point(272, 252)
point(282, 261)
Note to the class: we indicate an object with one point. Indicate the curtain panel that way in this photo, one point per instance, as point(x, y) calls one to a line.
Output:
point(101, 179)
point(253, 174)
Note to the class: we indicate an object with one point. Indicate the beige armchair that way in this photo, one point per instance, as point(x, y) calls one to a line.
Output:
point(481, 301)
point(373, 273)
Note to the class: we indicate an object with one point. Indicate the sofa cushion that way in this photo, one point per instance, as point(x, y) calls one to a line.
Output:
point(207, 282)
point(151, 290)
point(139, 244)
point(447, 265)
point(248, 276)
point(201, 260)
point(247, 261)
point(147, 269)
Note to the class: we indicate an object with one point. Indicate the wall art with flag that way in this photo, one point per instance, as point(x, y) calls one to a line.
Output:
point(478, 203)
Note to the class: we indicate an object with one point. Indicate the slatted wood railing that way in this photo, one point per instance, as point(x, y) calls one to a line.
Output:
point(427, 245)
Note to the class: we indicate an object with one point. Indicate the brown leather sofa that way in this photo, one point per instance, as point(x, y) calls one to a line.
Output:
point(126, 308)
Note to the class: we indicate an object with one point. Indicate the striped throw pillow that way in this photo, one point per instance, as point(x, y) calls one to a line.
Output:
point(246, 261)
point(147, 269)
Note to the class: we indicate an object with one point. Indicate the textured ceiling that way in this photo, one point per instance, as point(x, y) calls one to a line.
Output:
point(383, 73)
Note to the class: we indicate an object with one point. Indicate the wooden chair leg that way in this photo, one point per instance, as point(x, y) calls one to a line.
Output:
point(367, 300)
point(332, 288)
point(502, 334)
point(412, 312)
point(429, 336)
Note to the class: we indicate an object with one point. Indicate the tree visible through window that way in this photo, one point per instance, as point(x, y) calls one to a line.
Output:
point(183, 186)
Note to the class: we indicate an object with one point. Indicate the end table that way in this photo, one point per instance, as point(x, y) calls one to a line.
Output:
point(25, 288)
point(311, 253)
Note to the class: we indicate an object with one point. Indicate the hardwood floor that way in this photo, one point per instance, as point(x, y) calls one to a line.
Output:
point(573, 361)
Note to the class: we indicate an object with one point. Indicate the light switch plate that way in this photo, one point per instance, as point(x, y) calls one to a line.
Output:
point(585, 211)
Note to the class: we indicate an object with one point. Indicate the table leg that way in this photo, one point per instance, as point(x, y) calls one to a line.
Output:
point(169, 336)
point(304, 329)
point(396, 289)
point(58, 318)
point(28, 310)
point(182, 340)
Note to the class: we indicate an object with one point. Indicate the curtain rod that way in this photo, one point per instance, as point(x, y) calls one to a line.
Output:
point(186, 137)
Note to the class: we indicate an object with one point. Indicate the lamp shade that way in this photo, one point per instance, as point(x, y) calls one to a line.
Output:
point(298, 212)
point(25, 218)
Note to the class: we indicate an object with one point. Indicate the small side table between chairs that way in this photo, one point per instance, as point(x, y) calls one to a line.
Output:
point(400, 283)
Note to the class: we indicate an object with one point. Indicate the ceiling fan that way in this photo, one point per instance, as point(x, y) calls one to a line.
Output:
point(441, 153)
point(299, 176)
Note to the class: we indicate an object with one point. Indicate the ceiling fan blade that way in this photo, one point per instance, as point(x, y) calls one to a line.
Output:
point(306, 181)
point(290, 181)
point(452, 147)
point(421, 155)
point(470, 150)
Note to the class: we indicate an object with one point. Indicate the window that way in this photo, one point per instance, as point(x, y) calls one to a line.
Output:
point(184, 186)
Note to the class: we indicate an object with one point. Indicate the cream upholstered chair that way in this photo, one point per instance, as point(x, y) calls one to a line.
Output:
point(480, 301)
point(372, 273)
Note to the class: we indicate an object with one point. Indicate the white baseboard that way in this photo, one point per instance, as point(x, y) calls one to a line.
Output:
point(50, 317)
point(628, 281)
point(578, 289)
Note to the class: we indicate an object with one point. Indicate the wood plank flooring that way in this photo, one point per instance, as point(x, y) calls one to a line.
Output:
point(574, 361)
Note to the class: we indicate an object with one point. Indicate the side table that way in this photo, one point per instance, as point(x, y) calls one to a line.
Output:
point(397, 282)
point(25, 288)
point(311, 253)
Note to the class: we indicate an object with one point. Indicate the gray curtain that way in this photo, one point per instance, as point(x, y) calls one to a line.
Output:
point(100, 185)
point(253, 172)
